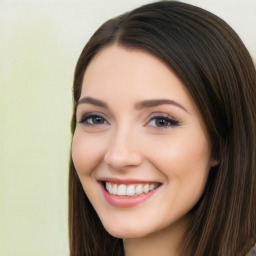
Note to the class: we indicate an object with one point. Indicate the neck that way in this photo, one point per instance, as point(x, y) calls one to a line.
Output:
point(166, 242)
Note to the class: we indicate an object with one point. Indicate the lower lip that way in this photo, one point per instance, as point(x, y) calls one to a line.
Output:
point(126, 201)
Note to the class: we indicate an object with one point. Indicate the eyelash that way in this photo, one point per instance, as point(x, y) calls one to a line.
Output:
point(168, 121)
point(85, 119)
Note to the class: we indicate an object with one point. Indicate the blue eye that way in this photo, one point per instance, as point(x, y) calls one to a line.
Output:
point(93, 119)
point(163, 122)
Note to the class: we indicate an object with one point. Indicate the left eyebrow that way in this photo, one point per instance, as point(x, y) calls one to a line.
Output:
point(158, 102)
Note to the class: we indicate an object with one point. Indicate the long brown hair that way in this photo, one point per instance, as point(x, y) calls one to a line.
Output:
point(214, 65)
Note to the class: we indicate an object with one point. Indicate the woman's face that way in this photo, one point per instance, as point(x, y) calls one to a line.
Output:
point(140, 147)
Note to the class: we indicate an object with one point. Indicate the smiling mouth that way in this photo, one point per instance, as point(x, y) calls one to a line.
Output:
point(130, 190)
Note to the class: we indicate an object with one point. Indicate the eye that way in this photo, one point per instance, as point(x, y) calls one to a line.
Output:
point(163, 122)
point(93, 119)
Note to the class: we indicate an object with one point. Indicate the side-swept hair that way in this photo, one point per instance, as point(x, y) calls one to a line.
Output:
point(214, 65)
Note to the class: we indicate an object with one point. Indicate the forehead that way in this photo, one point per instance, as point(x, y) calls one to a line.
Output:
point(124, 69)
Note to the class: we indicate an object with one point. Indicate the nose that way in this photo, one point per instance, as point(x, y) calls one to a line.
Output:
point(123, 151)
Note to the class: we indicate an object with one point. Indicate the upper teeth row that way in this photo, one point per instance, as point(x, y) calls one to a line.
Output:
point(129, 190)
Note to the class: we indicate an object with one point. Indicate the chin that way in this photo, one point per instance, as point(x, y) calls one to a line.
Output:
point(124, 234)
point(125, 231)
point(128, 230)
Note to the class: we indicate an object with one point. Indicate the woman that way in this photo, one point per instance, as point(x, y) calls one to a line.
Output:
point(163, 151)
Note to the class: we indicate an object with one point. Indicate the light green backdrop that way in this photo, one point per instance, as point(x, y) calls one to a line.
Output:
point(40, 42)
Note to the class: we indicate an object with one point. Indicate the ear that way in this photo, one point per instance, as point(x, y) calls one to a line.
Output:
point(215, 157)
point(214, 162)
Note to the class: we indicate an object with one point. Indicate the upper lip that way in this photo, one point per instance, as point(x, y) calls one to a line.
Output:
point(128, 181)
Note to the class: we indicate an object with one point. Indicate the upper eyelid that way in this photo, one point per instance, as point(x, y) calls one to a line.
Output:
point(164, 117)
point(172, 118)
point(162, 114)
point(91, 114)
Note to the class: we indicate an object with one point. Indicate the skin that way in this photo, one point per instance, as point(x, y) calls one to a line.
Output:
point(127, 141)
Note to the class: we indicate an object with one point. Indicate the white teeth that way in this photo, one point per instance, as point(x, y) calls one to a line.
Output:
point(114, 190)
point(121, 191)
point(107, 186)
point(146, 188)
point(151, 187)
point(139, 189)
point(129, 190)
point(110, 190)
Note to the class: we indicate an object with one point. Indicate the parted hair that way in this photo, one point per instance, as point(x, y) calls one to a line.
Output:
point(215, 67)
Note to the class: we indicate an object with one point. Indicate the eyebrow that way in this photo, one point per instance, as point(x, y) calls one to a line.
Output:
point(138, 106)
point(158, 102)
point(92, 101)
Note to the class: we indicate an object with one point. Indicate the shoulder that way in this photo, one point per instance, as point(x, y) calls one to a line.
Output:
point(252, 251)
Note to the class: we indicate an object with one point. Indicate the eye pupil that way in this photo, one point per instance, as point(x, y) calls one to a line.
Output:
point(98, 120)
point(161, 122)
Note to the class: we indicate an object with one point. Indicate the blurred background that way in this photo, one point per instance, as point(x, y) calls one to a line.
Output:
point(40, 41)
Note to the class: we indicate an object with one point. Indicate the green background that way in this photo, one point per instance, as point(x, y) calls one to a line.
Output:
point(40, 42)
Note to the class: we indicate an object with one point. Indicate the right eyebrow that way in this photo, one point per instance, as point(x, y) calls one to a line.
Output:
point(89, 100)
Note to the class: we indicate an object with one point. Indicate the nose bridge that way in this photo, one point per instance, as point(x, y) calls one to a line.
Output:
point(123, 148)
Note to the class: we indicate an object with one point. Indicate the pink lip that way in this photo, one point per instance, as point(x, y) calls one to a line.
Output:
point(125, 201)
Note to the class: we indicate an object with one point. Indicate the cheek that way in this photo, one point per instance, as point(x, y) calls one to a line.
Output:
point(185, 164)
point(86, 154)
point(184, 160)
point(192, 158)
point(192, 151)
